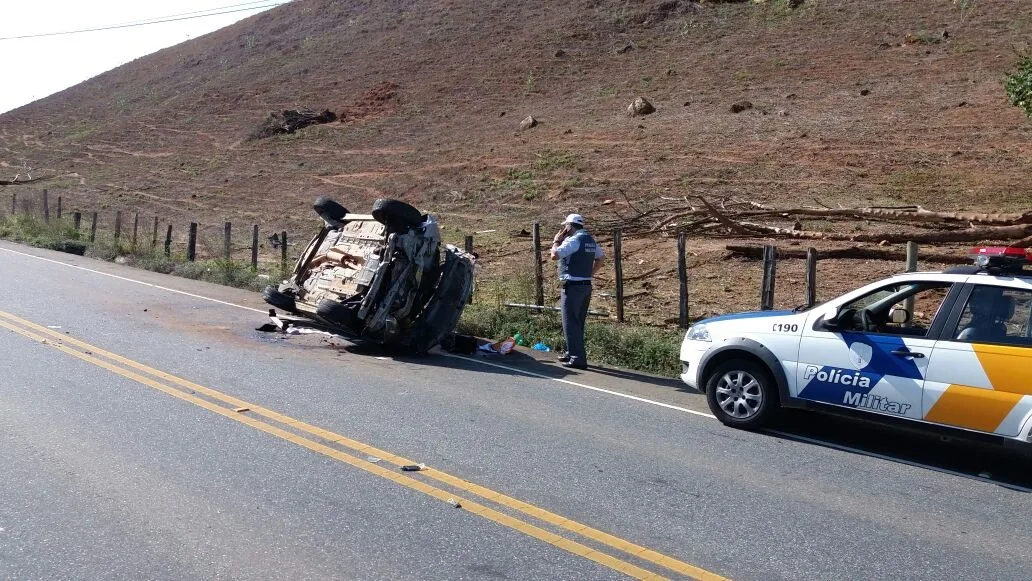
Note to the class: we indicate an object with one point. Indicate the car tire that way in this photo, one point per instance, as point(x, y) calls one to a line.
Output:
point(396, 215)
point(280, 300)
point(337, 314)
point(742, 394)
point(330, 211)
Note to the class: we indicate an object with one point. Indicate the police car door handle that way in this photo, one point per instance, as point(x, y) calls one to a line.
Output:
point(908, 353)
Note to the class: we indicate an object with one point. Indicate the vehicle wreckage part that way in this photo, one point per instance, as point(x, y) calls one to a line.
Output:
point(381, 273)
point(377, 321)
point(441, 313)
point(330, 211)
point(396, 215)
point(303, 262)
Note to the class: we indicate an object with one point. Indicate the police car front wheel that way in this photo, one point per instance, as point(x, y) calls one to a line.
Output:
point(741, 393)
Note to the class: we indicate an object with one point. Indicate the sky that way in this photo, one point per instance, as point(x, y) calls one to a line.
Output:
point(33, 68)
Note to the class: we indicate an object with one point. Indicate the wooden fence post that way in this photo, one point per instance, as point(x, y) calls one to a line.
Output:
point(468, 244)
point(136, 228)
point(539, 277)
point(46, 207)
point(168, 241)
point(283, 251)
point(59, 207)
point(118, 227)
point(76, 220)
point(154, 239)
point(618, 267)
point(93, 228)
point(770, 265)
point(254, 248)
point(682, 280)
point(811, 277)
point(912, 252)
point(14, 204)
point(227, 250)
point(191, 244)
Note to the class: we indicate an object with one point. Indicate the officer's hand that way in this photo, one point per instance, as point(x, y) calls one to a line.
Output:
point(561, 234)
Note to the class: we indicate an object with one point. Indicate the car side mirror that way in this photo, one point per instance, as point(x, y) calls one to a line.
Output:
point(899, 316)
point(828, 323)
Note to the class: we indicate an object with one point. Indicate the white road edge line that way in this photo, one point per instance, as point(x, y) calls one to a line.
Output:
point(805, 439)
point(164, 288)
point(584, 386)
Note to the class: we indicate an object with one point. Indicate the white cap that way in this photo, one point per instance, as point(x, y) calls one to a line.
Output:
point(574, 219)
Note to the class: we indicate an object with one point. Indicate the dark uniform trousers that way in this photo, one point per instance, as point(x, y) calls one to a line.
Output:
point(574, 304)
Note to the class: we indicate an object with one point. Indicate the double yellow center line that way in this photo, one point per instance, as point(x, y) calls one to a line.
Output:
point(333, 445)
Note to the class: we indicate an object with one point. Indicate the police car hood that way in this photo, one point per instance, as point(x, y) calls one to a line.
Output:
point(747, 315)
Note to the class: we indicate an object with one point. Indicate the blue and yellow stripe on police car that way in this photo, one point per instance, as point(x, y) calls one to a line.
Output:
point(989, 388)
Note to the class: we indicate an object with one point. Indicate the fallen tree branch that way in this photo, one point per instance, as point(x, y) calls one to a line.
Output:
point(735, 227)
point(18, 182)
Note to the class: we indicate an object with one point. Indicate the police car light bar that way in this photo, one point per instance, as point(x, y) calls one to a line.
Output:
point(1006, 257)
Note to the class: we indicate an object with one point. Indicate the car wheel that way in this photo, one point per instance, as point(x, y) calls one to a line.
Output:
point(396, 215)
point(741, 393)
point(280, 300)
point(331, 212)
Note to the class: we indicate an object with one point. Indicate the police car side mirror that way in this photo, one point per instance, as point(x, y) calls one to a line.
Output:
point(828, 323)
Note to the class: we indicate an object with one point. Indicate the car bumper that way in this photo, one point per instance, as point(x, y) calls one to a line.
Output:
point(691, 357)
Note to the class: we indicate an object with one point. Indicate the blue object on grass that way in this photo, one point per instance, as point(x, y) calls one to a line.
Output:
point(539, 346)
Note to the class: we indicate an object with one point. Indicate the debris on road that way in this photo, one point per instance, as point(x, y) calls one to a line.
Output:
point(455, 503)
point(372, 459)
point(414, 467)
point(241, 410)
point(503, 347)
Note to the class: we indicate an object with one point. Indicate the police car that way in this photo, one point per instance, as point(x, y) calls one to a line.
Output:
point(950, 348)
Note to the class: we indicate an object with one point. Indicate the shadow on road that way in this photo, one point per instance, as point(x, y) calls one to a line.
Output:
point(980, 459)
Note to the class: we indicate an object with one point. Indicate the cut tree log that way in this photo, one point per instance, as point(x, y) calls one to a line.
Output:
point(853, 252)
point(904, 214)
point(974, 234)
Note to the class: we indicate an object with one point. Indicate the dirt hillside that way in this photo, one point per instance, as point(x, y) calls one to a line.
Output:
point(850, 103)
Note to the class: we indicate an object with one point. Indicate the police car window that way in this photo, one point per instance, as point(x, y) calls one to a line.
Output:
point(996, 314)
point(921, 301)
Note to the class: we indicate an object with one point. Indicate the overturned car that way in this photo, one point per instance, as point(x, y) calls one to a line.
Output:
point(377, 277)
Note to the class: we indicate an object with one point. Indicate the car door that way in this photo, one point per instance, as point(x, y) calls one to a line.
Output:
point(877, 367)
point(981, 380)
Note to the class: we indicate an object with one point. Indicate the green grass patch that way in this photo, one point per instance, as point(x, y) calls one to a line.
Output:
point(520, 181)
point(57, 235)
point(643, 348)
point(647, 349)
point(1018, 85)
point(550, 160)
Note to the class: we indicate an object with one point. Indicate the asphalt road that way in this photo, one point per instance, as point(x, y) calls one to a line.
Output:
point(148, 431)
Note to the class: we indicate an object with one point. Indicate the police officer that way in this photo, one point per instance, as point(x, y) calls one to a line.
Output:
point(579, 258)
